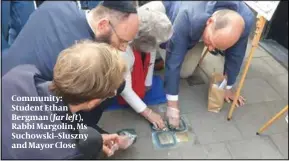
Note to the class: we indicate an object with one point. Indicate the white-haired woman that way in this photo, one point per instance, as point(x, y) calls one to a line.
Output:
point(155, 28)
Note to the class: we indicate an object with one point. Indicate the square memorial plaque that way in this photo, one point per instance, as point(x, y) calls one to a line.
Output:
point(165, 139)
point(182, 127)
point(182, 136)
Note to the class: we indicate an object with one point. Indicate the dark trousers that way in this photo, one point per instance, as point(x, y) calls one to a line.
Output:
point(92, 117)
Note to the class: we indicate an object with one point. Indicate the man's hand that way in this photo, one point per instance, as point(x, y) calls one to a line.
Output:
point(174, 104)
point(154, 118)
point(124, 142)
point(109, 142)
point(173, 114)
point(230, 95)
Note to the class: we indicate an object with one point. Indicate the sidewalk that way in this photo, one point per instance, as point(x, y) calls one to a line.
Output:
point(266, 91)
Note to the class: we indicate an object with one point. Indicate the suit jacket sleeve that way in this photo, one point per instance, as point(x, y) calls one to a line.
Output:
point(234, 56)
point(233, 60)
point(176, 48)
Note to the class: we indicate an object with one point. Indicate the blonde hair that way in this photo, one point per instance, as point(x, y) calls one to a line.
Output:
point(86, 71)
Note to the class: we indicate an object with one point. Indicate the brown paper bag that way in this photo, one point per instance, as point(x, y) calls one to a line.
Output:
point(216, 95)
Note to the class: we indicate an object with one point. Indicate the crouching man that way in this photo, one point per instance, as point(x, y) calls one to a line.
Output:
point(43, 114)
point(221, 25)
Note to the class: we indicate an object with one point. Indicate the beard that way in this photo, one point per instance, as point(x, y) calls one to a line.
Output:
point(106, 38)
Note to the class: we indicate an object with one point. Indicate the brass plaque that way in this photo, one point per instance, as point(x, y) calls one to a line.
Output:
point(165, 138)
point(182, 136)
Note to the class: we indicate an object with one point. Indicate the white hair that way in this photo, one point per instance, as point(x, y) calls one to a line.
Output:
point(154, 28)
point(155, 6)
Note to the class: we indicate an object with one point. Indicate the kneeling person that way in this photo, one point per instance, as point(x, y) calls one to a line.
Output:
point(85, 74)
point(154, 29)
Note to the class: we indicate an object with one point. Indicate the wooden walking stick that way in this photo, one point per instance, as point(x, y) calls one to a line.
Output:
point(277, 116)
point(203, 56)
point(258, 32)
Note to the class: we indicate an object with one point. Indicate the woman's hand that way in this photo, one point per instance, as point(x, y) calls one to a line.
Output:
point(154, 118)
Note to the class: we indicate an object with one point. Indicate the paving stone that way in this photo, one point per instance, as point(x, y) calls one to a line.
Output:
point(189, 151)
point(213, 127)
point(276, 66)
point(281, 141)
point(217, 151)
point(280, 124)
point(259, 52)
point(259, 68)
point(258, 147)
point(193, 99)
point(280, 84)
point(251, 117)
point(257, 90)
point(209, 151)
point(113, 121)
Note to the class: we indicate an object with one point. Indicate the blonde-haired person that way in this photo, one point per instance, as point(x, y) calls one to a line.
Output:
point(87, 73)
point(154, 29)
point(84, 75)
point(111, 22)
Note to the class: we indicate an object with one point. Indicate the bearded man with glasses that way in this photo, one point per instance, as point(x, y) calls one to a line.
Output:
point(56, 25)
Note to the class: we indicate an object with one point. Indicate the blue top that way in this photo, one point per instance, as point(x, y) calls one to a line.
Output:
point(89, 4)
point(189, 20)
point(5, 15)
point(53, 27)
point(14, 16)
point(20, 12)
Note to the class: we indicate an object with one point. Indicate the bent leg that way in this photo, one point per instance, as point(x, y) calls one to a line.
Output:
point(192, 59)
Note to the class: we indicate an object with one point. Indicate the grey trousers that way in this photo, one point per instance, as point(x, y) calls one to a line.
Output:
point(191, 60)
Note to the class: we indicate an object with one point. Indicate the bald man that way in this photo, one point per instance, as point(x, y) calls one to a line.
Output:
point(222, 25)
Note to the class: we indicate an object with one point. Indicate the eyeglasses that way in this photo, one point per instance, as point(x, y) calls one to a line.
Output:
point(123, 43)
point(217, 52)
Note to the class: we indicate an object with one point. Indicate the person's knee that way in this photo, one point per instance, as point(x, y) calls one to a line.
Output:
point(191, 60)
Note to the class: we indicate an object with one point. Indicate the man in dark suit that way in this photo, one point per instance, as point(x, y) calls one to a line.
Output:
point(222, 25)
point(14, 16)
point(63, 24)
